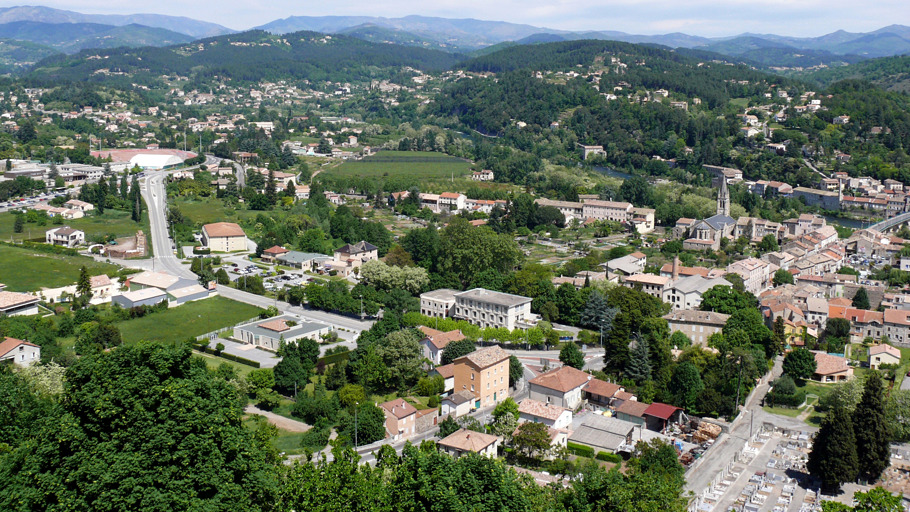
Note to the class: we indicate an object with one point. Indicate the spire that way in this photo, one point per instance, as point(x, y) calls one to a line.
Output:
point(723, 198)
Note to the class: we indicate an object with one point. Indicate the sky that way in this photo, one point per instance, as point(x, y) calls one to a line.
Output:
point(709, 18)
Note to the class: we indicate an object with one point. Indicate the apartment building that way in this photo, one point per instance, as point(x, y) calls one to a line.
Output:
point(486, 308)
point(485, 374)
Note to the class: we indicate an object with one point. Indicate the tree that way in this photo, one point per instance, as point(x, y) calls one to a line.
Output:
point(873, 440)
point(571, 355)
point(19, 223)
point(724, 299)
point(456, 349)
point(861, 299)
point(659, 458)
point(897, 409)
point(84, 454)
point(84, 285)
point(531, 438)
point(639, 368)
point(598, 315)
point(516, 370)
point(833, 458)
point(403, 356)
point(506, 407)
point(350, 395)
point(768, 244)
point(782, 277)
point(260, 378)
point(297, 361)
point(447, 427)
point(800, 364)
point(370, 425)
point(876, 500)
point(685, 385)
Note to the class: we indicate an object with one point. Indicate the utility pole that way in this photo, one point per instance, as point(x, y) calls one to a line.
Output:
point(356, 406)
point(361, 310)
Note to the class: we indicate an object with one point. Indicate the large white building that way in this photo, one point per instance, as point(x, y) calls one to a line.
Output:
point(438, 303)
point(151, 162)
point(487, 308)
point(224, 237)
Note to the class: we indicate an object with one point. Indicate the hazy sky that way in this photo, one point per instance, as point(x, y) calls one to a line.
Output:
point(697, 17)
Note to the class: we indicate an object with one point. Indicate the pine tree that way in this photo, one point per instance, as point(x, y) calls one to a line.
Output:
point(639, 368)
point(19, 224)
point(84, 285)
point(871, 428)
point(270, 193)
point(861, 299)
point(124, 187)
point(833, 458)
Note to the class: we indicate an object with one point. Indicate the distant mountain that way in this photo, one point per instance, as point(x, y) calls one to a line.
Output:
point(180, 24)
point(892, 73)
point(377, 34)
point(17, 56)
point(72, 37)
point(245, 57)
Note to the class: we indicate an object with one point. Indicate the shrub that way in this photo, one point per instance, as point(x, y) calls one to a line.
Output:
point(580, 450)
point(609, 457)
point(433, 401)
point(219, 348)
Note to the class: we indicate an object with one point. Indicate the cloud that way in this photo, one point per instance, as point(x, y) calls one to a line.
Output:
point(696, 17)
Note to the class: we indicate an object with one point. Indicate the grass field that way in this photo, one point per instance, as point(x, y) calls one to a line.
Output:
point(413, 164)
point(190, 319)
point(213, 362)
point(205, 210)
point(23, 270)
point(112, 222)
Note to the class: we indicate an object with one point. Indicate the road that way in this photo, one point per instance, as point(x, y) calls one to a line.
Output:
point(155, 195)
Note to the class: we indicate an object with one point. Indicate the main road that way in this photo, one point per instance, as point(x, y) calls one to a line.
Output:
point(165, 259)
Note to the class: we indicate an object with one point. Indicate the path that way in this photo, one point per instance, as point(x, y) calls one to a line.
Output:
point(279, 421)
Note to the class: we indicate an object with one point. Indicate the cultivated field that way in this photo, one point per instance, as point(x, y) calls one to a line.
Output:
point(412, 164)
point(114, 223)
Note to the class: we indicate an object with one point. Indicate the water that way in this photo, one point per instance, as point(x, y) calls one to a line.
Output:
point(612, 172)
point(847, 223)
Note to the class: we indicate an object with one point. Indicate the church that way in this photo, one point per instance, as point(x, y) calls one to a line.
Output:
point(706, 234)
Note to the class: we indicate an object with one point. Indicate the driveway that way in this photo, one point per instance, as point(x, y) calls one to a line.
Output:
point(279, 421)
point(264, 358)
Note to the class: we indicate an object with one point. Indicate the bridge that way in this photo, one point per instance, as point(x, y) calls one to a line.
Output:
point(889, 224)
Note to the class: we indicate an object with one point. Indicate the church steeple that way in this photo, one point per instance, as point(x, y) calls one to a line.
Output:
point(723, 198)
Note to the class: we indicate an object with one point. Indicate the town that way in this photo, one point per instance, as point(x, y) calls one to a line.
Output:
point(688, 292)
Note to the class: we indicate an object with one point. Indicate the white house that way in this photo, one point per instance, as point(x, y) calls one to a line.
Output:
point(550, 415)
point(65, 236)
point(21, 353)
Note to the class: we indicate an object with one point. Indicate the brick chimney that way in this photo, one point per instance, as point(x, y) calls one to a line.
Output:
point(676, 267)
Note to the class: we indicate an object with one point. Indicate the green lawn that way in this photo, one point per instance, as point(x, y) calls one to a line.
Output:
point(214, 362)
point(22, 269)
point(740, 102)
point(114, 223)
point(784, 411)
point(190, 319)
point(413, 164)
point(205, 210)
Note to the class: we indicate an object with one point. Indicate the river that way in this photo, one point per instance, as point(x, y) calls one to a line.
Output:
point(847, 223)
point(612, 172)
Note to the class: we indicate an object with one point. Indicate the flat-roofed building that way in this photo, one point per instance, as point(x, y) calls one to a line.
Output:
point(142, 297)
point(269, 333)
point(486, 308)
point(18, 304)
point(438, 303)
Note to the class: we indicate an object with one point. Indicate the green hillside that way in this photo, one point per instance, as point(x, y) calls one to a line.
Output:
point(891, 73)
point(17, 56)
point(72, 37)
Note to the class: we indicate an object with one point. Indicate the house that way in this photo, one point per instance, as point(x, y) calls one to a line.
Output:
point(438, 303)
point(883, 354)
point(160, 280)
point(65, 236)
point(400, 419)
point(561, 387)
point(601, 392)
point(269, 333)
point(17, 304)
point(272, 253)
point(19, 352)
point(686, 293)
point(457, 404)
point(484, 175)
point(306, 261)
point(102, 286)
point(658, 415)
point(628, 265)
point(75, 204)
point(464, 441)
point(485, 373)
point(434, 342)
point(550, 415)
point(831, 368)
point(897, 325)
point(649, 283)
point(186, 294)
point(447, 372)
point(756, 274)
point(351, 256)
point(426, 419)
point(587, 151)
point(451, 202)
point(486, 308)
point(224, 237)
point(142, 297)
point(633, 411)
point(697, 325)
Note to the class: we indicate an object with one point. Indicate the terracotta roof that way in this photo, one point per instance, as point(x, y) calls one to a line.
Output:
point(826, 364)
point(633, 408)
point(449, 195)
point(446, 371)
point(662, 411)
point(8, 344)
point(638, 255)
point(601, 388)
point(469, 441)
point(11, 299)
point(441, 339)
point(275, 249)
point(624, 396)
point(540, 409)
point(427, 331)
point(101, 280)
point(423, 412)
point(278, 325)
point(484, 357)
point(223, 229)
point(648, 279)
point(399, 408)
point(884, 349)
point(896, 316)
point(562, 379)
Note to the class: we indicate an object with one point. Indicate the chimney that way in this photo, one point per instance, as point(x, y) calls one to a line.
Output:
point(676, 267)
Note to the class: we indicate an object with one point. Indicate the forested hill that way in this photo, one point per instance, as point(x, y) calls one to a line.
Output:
point(249, 56)
point(689, 73)
point(891, 73)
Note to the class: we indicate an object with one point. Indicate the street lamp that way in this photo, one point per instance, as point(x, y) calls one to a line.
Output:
point(356, 406)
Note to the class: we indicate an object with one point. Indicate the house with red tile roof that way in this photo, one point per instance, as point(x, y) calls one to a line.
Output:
point(550, 415)
point(400, 419)
point(434, 342)
point(883, 354)
point(21, 353)
point(562, 386)
point(831, 368)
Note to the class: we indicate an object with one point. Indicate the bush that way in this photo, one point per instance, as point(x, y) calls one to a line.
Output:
point(609, 457)
point(201, 250)
point(219, 348)
point(433, 401)
point(580, 450)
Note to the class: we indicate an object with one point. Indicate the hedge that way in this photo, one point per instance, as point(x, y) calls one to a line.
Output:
point(609, 457)
point(334, 358)
point(201, 250)
point(794, 400)
point(580, 450)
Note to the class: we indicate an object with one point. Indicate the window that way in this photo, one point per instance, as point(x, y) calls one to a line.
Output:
point(472, 388)
point(472, 376)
